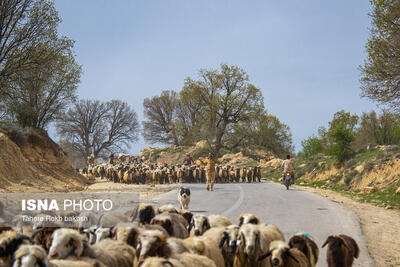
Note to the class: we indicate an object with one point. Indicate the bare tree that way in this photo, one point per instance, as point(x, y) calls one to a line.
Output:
point(96, 127)
point(159, 112)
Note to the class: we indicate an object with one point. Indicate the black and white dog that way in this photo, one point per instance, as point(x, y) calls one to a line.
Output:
point(184, 197)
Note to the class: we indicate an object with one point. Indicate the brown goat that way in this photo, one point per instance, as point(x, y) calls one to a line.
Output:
point(305, 244)
point(342, 250)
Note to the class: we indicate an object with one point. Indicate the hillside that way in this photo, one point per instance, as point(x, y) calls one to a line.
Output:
point(32, 162)
point(242, 157)
point(372, 175)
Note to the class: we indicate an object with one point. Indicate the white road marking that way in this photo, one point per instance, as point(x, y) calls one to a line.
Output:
point(237, 203)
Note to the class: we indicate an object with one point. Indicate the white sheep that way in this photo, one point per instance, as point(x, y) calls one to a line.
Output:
point(185, 260)
point(281, 255)
point(35, 256)
point(68, 242)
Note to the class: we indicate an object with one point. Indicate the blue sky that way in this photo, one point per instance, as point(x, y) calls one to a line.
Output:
point(303, 55)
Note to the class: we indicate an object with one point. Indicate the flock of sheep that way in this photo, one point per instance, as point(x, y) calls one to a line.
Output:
point(142, 173)
point(168, 236)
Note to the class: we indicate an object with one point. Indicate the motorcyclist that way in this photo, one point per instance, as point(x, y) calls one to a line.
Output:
point(288, 167)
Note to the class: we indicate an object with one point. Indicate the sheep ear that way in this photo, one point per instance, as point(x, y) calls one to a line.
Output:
point(254, 221)
point(326, 242)
point(206, 224)
point(269, 253)
point(78, 247)
point(223, 239)
point(168, 227)
point(292, 256)
point(241, 220)
point(191, 225)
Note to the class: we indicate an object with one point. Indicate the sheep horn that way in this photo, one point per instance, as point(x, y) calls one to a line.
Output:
point(265, 255)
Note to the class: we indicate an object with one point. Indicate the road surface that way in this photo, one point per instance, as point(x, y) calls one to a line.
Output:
point(293, 211)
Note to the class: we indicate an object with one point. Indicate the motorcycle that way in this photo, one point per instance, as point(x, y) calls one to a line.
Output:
point(287, 180)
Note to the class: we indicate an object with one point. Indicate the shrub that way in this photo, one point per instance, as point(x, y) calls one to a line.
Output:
point(312, 146)
point(350, 163)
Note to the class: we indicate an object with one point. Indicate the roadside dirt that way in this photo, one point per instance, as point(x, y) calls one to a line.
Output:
point(380, 226)
point(146, 192)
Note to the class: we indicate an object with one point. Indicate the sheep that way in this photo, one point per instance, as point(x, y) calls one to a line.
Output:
point(305, 244)
point(171, 209)
point(185, 260)
point(229, 243)
point(153, 240)
point(281, 255)
point(342, 250)
point(252, 245)
point(9, 243)
point(42, 237)
point(201, 223)
point(103, 233)
point(174, 224)
point(167, 208)
point(146, 213)
point(248, 218)
point(68, 242)
point(112, 218)
point(35, 256)
point(206, 246)
point(255, 239)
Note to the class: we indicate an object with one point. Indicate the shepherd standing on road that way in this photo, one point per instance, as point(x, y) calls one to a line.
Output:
point(210, 171)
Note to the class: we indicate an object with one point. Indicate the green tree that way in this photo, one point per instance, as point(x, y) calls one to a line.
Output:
point(266, 132)
point(380, 79)
point(38, 72)
point(228, 99)
point(367, 131)
point(342, 130)
point(342, 141)
point(24, 25)
point(35, 96)
point(312, 146)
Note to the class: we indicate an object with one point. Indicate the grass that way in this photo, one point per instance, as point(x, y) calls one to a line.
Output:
point(249, 164)
point(271, 173)
point(366, 155)
point(387, 197)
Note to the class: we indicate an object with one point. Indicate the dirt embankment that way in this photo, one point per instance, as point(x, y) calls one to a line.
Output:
point(379, 225)
point(172, 155)
point(30, 162)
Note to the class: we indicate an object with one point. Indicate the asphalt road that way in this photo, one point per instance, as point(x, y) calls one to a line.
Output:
point(292, 211)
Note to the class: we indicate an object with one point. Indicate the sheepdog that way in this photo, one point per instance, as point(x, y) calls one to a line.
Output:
point(184, 197)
